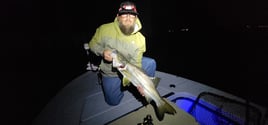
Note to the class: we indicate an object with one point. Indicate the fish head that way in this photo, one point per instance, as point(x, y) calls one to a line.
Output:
point(119, 61)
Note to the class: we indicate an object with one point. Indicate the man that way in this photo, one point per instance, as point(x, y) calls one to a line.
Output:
point(123, 34)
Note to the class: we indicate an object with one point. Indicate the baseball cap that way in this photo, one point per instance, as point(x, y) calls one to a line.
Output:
point(127, 7)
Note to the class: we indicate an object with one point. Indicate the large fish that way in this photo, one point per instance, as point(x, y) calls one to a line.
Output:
point(138, 78)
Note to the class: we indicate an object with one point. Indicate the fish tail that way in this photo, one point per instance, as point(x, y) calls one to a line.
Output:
point(164, 108)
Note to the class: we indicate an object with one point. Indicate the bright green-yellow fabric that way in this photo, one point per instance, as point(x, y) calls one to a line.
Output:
point(109, 36)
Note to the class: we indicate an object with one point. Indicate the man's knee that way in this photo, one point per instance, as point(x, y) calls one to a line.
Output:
point(113, 98)
point(149, 65)
point(152, 62)
point(112, 102)
point(149, 61)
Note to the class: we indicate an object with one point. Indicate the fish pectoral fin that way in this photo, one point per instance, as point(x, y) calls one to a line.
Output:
point(155, 80)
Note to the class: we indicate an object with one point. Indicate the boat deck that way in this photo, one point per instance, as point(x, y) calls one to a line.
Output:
point(81, 102)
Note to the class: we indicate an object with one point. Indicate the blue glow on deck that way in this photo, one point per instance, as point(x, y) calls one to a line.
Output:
point(207, 114)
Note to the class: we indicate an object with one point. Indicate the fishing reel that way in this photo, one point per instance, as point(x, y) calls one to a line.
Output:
point(147, 120)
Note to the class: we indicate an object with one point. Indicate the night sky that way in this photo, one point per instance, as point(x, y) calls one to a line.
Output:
point(219, 43)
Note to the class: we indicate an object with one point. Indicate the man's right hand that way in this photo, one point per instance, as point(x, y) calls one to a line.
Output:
point(107, 55)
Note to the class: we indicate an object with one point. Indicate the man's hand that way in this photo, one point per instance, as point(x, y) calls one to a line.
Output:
point(107, 55)
point(140, 89)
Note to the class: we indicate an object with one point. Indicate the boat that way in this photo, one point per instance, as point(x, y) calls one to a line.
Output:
point(81, 102)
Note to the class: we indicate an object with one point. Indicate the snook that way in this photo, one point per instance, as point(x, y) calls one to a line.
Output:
point(138, 78)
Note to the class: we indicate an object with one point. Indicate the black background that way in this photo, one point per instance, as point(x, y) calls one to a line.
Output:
point(219, 43)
